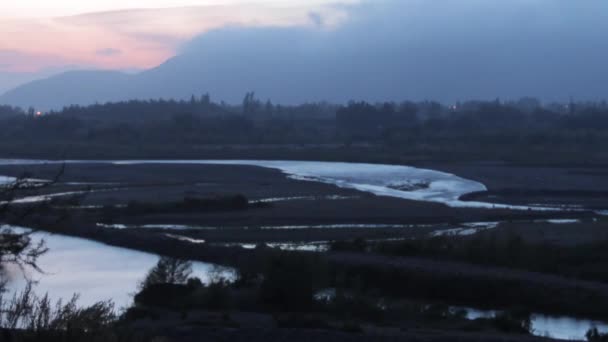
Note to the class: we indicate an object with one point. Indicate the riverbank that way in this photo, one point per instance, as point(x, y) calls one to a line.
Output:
point(563, 185)
point(141, 206)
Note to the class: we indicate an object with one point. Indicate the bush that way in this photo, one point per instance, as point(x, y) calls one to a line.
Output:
point(217, 296)
point(291, 280)
point(28, 314)
point(168, 271)
point(593, 335)
point(173, 296)
point(518, 322)
point(190, 204)
point(356, 245)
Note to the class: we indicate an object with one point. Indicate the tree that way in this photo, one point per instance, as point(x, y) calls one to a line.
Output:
point(32, 314)
point(250, 103)
point(290, 282)
point(206, 100)
point(593, 335)
point(168, 271)
point(17, 246)
point(269, 108)
point(25, 316)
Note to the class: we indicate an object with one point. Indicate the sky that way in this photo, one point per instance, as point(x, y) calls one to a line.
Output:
point(38, 36)
point(336, 50)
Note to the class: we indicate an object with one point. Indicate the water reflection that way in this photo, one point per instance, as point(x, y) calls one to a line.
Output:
point(565, 328)
point(94, 270)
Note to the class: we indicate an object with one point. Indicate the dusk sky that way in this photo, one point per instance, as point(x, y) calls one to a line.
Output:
point(423, 49)
point(132, 34)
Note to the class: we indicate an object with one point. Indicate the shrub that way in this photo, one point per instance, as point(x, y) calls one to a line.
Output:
point(291, 280)
point(168, 271)
point(593, 335)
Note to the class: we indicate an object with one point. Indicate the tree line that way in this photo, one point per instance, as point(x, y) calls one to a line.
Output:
point(424, 127)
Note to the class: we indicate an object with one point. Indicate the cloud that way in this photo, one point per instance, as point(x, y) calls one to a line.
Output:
point(377, 50)
point(108, 52)
point(25, 61)
point(316, 18)
point(145, 37)
point(37, 8)
point(419, 49)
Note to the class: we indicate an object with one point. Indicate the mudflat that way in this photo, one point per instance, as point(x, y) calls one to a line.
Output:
point(286, 202)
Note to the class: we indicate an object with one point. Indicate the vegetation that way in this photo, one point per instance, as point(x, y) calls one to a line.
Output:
point(492, 249)
point(29, 317)
point(593, 335)
point(16, 247)
point(168, 271)
point(8, 111)
point(469, 130)
point(25, 316)
point(293, 288)
point(189, 204)
point(588, 261)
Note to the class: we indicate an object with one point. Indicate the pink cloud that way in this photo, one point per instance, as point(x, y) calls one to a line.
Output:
point(144, 38)
point(21, 61)
point(108, 52)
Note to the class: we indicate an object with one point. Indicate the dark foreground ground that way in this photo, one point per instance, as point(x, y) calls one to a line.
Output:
point(284, 210)
point(186, 333)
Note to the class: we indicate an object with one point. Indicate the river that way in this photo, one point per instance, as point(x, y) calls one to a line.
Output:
point(92, 270)
point(379, 179)
point(564, 328)
point(100, 272)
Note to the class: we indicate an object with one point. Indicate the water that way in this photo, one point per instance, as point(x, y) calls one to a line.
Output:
point(321, 246)
point(340, 226)
point(7, 180)
point(303, 198)
point(44, 198)
point(383, 180)
point(154, 226)
point(318, 246)
point(99, 272)
point(186, 239)
point(468, 229)
point(93, 270)
point(456, 232)
point(563, 221)
point(565, 328)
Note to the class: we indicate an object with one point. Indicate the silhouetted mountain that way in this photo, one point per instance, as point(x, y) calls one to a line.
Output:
point(74, 87)
point(387, 50)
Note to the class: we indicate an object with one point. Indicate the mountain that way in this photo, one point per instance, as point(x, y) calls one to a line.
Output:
point(386, 50)
point(73, 87)
point(11, 80)
point(276, 63)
